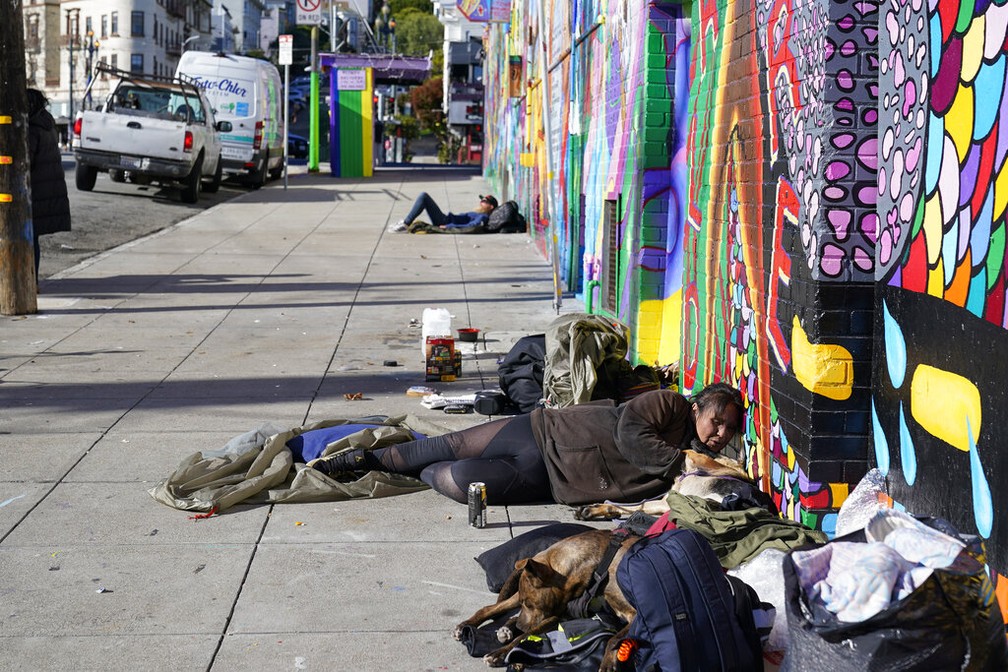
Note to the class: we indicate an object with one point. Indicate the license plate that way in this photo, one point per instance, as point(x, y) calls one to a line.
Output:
point(129, 162)
point(232, 153)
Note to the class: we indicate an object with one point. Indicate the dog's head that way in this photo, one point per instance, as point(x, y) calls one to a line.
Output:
point(541, 591)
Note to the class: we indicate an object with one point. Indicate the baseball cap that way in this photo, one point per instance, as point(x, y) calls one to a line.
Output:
point(489, 199)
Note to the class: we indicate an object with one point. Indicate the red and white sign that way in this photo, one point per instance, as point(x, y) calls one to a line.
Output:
point(309, 12)
point(286, 49)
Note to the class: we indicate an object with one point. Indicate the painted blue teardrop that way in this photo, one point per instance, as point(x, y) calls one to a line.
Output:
point(908, 454)
point(881, 444)
point(895, 348)
point(983, 507)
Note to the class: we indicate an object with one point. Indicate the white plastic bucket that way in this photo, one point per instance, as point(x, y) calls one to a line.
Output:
point(436, 322)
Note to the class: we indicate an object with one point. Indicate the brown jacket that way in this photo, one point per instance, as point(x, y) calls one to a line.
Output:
point(597, 451)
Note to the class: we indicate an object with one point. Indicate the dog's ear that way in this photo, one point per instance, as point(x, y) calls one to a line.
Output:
point(539, 573)
point(520, 565)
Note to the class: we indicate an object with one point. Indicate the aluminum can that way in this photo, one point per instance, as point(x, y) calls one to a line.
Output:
point(477, 504)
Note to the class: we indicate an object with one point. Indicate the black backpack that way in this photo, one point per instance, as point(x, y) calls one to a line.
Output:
point(505, 218)
point(691, 617)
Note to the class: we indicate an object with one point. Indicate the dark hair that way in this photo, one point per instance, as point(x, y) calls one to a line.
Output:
point(719, 396)
point(36, 101)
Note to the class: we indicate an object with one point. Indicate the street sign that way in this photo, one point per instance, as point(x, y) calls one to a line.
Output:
point(309, 12)
point(351, 80)
point(286, 49)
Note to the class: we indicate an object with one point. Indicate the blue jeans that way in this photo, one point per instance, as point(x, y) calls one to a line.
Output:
point(422, 203)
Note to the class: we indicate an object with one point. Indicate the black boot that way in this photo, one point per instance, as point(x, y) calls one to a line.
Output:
point(347, 463)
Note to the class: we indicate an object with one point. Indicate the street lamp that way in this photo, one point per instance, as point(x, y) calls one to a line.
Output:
point(72, 24)
point(385, 27)
point(188, 40)
point(92, 47)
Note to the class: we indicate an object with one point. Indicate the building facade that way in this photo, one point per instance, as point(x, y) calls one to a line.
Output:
point(803, 199)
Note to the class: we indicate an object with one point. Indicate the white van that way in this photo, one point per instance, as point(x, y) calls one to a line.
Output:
point(247, 92)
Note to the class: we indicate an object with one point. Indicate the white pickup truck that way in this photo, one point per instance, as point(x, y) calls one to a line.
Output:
point(150, 129)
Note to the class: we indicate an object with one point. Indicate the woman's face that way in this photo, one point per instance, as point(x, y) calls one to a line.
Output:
point(716, 428)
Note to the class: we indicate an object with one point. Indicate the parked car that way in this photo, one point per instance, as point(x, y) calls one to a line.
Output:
point(297, 146)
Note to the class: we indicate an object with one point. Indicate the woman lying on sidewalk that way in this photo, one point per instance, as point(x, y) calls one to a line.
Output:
point(446, 221)
point(574, 455)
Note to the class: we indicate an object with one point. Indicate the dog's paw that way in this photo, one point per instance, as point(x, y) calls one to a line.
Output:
point(505, 634)
point(494, 659)
point(592, 512)
point(457, 632)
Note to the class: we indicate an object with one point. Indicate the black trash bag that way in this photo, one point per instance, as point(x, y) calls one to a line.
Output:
point(951, 622)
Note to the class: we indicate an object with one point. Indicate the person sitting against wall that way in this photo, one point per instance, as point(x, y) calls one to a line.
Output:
point(447, 222)
point(582, 454)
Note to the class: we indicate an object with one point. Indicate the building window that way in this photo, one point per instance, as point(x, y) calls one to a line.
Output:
point(104, 26)
point(33, 31)
point(115, 23)
point(137, 24)
point(115, 61)
point(88, 28)
point(156, 40)
point(611, 254)
point(136, 63)
point(155, 68)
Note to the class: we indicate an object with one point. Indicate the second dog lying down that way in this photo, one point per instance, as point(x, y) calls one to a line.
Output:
point(713, 478)
point(543, 585)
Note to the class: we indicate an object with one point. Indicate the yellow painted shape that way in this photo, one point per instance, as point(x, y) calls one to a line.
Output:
point(972, 49)
point(821, 368)
point(932, 226)
point(936, 280)
point(6, 198)
point(943, 403)
point(959, 121)
point(367, 122)
point(6, 160)
point(838, 494)
point(670, 345)
point(1000, 193)
point(526, 159)
point(4, 119)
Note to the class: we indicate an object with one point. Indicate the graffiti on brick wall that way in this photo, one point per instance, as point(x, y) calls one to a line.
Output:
point(939, 397)
point(782, 196)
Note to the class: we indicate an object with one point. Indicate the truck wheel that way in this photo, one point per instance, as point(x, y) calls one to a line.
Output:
point(85, 177)
point(213, 185)
point(117, 175)
point(192, 184)
point(260, 178)
point(277, 172)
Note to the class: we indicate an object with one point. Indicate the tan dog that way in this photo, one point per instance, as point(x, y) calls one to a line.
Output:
point(543, 585)
point(703, 476)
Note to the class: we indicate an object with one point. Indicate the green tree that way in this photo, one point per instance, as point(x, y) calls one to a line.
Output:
point(417, 33)
point(424, 6)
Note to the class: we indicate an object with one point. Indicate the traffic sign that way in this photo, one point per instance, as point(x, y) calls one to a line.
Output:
point(286, 49)
point(309, 12)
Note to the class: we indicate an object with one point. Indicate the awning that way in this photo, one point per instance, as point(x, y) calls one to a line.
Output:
point(387, 68)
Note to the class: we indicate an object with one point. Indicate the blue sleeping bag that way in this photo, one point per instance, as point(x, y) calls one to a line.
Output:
point(309, 445)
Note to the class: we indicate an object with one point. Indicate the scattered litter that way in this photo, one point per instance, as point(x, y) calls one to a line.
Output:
point(353, 396)
point(8, 501)
point(414, 322)
point(199, 568)
point(103, 589)
point(202, 516)
point(436, 401)
point(152, 532)
point(54, 568)
point(298, 523)
point(390, 362)
point(420, 391)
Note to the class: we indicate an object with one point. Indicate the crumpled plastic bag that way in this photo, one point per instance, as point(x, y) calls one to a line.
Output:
point(766, 576)
point(861, 504)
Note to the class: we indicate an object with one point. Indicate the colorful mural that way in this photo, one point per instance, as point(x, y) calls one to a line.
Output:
point(781, 209)
point(618, 84)
point(938, 401)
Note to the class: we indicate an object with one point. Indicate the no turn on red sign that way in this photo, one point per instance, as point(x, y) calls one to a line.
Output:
point(309, 12)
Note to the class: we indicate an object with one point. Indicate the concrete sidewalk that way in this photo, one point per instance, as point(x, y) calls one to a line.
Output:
point(267, 308)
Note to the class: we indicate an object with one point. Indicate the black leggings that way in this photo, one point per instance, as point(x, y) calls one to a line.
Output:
point(502, 453)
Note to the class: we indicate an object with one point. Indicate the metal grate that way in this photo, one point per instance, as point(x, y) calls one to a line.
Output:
point(610, 272)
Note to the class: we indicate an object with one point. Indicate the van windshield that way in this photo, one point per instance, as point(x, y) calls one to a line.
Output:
point(229, 96)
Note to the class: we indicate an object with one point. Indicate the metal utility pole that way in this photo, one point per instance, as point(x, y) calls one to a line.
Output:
point(72, 25)
point(18, 292)
point(313, 105)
